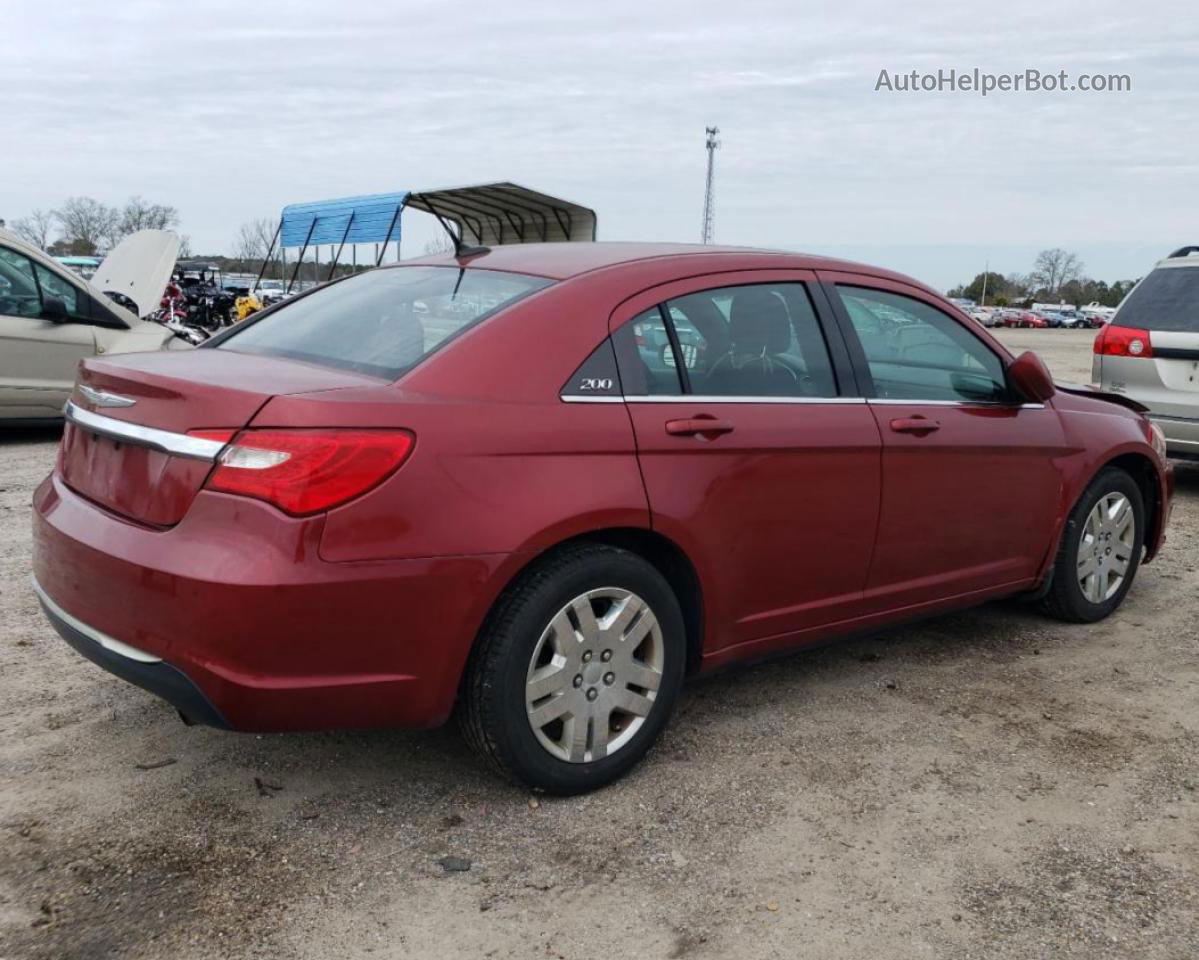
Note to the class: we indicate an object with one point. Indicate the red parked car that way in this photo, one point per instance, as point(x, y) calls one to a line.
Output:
point(459, 484)
point(1024, 318)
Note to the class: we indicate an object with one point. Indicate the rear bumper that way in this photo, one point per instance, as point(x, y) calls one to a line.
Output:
point(135, 666)
point(233, 617)
point(1182, 435)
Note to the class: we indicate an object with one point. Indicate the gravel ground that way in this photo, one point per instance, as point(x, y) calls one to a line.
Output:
point(989, 784)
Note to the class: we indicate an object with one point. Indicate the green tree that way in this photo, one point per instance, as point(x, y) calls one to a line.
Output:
point(993, 283)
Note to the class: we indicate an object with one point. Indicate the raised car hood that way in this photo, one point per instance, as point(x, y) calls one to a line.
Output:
point(139, 267)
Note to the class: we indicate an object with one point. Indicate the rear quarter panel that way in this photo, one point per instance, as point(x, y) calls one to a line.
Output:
point(500, 464)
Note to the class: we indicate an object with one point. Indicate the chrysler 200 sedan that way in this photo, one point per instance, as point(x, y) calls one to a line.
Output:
point(456, 485)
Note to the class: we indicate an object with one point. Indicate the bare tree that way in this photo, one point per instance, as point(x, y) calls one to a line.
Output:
point(87, 223)
point(185, 246)
point(36, 228)
point(253, 242)
point(439, 244)
point(140, 215)
point(1017, 281)
point(1055, 268)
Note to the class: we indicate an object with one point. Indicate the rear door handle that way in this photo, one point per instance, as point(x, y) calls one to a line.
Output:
point(920, 426)
point(701, 426)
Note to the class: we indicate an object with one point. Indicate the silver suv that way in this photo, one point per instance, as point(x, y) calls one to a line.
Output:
point(1150, 350)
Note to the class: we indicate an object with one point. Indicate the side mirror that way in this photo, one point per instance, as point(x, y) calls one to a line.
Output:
point(1029, 375)
point(54, 310)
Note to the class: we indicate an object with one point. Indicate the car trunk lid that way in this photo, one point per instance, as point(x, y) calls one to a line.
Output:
point(1176, 356)
point(1166, 306)
point(143, 429)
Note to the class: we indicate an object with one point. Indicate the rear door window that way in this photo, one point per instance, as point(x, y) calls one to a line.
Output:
point(758, 340)
point(384, 322)
point(1166, 300)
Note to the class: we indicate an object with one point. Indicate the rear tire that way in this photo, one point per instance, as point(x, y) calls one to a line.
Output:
point(577, 670)
point(1100, 550)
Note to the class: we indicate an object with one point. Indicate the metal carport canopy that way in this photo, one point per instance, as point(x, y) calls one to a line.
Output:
point(372, 219)
point(490, 214)
point(494, 214)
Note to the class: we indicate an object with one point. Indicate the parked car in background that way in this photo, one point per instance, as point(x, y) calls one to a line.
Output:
point(653, 343)
point(1072, 319)
point(345, 513)
point(1150, 350)
point(1023, 318)
point(1094, 308)
point(51, 318)
point(271, 291)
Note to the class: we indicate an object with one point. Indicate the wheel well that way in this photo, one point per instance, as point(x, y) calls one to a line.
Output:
point(670, 561)
point(1141, 469)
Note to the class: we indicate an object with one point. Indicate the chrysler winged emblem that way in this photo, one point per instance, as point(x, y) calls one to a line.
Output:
point(101, 398)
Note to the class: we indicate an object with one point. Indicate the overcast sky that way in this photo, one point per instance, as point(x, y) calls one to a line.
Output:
point(231, 110)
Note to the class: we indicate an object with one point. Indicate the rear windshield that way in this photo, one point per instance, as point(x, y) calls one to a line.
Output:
point(1167, 299)
point(384, 322)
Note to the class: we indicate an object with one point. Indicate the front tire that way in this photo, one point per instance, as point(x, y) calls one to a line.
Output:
point(1100, 550)
point(577, 670)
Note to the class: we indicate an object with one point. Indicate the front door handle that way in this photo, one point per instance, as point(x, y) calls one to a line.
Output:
point(920, 426)
point(706, 427)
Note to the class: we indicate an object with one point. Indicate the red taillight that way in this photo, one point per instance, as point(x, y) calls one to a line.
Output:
point(307, 471)
point(1123, 342)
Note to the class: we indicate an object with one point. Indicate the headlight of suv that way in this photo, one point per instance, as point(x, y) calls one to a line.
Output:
point(1158, 439)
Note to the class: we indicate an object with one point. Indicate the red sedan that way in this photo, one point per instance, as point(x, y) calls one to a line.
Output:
point(463, 484)
point(1024, 318)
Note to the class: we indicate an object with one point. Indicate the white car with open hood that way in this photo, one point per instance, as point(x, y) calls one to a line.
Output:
point(51, 318)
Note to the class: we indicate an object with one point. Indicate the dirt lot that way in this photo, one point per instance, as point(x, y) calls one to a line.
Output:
point(990, 784)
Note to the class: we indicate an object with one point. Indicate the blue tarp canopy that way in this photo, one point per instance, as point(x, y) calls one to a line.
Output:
point(371, 219)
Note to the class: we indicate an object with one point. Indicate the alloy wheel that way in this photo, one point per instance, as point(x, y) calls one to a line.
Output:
point(594, 675)
point(1106, 547)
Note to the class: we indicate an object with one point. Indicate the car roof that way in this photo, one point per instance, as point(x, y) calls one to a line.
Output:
point(561, 261)
point(1174, 262)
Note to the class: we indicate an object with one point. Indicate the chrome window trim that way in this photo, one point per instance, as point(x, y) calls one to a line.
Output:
point(876, 401)
point(894, 402)
point(176, 444)
point(705, 398)
point(708, 398)
point(103, 639)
